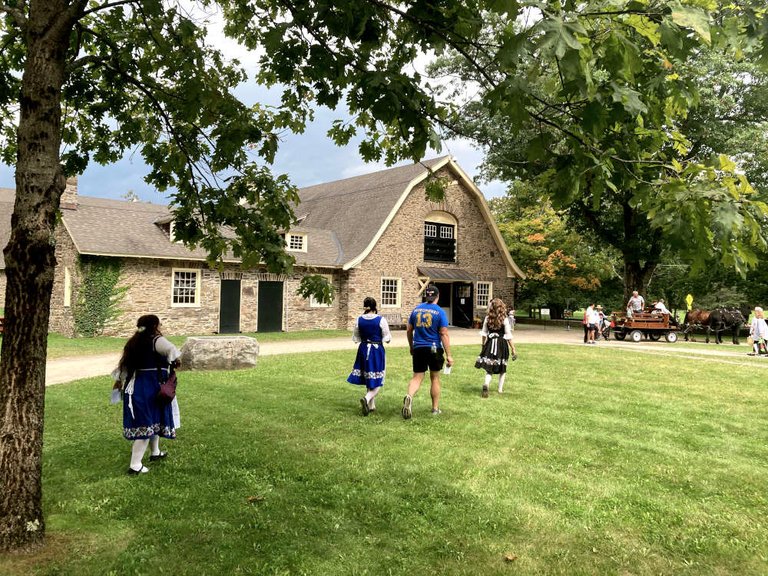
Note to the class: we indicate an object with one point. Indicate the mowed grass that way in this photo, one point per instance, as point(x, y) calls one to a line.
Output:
point(60, 346)
point(593, 461)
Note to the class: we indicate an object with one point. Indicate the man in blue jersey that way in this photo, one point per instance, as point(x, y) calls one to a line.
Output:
point(430, 346)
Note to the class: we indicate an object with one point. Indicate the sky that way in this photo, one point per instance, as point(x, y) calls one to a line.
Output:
point(308, 158)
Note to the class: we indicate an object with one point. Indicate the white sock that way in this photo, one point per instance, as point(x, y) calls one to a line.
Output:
point(154, 444)
point(137, 452)
point(370, 397)
point(501, 382)
point(487, 381)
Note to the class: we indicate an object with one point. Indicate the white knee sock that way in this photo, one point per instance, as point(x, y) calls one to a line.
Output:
point(137, 452)
point(487, 381)
point(154, 444)
point(501, 382)
point(370, 397)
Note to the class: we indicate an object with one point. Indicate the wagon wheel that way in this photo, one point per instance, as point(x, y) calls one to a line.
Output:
point(654, 336)
point(619, 334)
point(636, 336)
point(671, 337)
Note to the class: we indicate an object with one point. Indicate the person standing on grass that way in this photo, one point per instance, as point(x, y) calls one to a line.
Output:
point(430, 346)
point(496, 340)
point(585, 325)
point(371, 331)
point(593, 320)
point(147, 358)
point(758, 331)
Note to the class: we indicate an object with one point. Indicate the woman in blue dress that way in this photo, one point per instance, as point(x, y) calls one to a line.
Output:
point(146, 359)
point(371, 331)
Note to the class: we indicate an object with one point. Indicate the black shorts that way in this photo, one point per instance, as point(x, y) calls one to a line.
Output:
point(423, 359)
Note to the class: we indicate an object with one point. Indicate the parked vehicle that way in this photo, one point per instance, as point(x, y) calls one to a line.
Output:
point(640, 325)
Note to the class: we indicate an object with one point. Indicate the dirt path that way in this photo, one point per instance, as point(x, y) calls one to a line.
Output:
point(63, 370)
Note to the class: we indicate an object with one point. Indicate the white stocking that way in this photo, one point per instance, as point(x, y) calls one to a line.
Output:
point(137, 452)
point(501, 382)
point(154, 444)
point(370, 397)
point(487, 381)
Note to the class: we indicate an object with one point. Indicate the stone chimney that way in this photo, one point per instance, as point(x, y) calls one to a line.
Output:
point(69, 198)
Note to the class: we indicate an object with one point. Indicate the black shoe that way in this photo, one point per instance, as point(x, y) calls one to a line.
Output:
point(158, 456)
point(364, 406)
point(484, 393)
point(132, 472)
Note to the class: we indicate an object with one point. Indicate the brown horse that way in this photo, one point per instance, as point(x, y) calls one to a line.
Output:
point(718, 321)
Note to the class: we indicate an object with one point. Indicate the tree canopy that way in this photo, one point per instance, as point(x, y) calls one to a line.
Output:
point(622, 109)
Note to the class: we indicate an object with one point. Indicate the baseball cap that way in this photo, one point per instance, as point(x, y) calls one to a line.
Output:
point(431, 293)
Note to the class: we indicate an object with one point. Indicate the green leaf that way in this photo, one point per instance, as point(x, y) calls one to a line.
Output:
point(694, 18)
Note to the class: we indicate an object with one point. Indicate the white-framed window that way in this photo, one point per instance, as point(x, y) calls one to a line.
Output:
point(313, 302)
point(484, 294)
point(67, 287)
point(296, 242)
point(185, 288)
point(430, 230)
point(446, 232)
point(390, 292)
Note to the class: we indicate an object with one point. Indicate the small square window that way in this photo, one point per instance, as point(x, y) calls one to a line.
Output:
point(446, 232)
point(297, 242)
point(430, 230)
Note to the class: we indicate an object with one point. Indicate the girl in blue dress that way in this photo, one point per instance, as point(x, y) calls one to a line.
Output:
point(371, 331)
point(146, 359)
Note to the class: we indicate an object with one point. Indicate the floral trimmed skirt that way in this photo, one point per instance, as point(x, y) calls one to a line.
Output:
point(143, 415)
point(494, 356)
point(369, 368)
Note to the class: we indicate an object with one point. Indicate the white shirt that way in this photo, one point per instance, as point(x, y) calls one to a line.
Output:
point(758, 329)
point(507, 329)
point(661, 308)
point(386, 335)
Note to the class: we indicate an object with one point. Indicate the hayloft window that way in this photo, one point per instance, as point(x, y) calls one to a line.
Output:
point(186, 288)
point(296, 242)
point(439, 242)
point(390, 292)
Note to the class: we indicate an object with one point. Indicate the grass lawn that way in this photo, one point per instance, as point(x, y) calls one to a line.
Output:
point(61, 346)
point(594, 461)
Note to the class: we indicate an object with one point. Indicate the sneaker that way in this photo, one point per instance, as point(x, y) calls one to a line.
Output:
point(364, 406)
point(484, 393)
point(436, 412)
point(407, 405)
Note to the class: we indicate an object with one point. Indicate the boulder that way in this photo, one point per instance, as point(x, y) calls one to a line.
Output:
point(219, 353)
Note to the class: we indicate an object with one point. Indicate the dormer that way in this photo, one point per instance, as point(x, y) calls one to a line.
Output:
point(166, 224)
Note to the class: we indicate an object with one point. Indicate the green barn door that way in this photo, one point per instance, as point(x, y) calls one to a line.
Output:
point(270, 307)
point(229, 307)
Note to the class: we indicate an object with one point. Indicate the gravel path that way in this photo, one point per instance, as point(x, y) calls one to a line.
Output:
point(63, 370)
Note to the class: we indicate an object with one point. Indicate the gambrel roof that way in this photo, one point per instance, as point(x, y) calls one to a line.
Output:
point(342, 220)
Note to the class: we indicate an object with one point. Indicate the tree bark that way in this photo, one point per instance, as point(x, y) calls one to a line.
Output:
point(637, 276)
point(30, 262)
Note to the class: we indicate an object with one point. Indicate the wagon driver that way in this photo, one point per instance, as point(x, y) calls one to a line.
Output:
point(636, 303)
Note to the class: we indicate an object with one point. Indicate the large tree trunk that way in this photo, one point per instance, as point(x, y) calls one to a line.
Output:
point(29, 259)
point(637, 276)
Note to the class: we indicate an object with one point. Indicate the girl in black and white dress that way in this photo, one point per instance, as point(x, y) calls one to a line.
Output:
point(497, 344)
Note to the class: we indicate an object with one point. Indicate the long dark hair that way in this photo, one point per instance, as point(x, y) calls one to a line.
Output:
point(370, 305)
point(146, 330)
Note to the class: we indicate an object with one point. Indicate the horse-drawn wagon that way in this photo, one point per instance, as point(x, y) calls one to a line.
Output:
point(651, 325)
